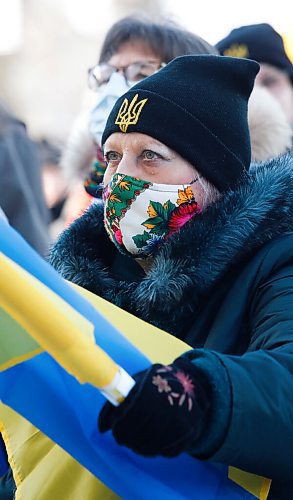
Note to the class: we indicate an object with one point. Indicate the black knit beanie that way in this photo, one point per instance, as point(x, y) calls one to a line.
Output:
point(259, 42)
point(197, 106)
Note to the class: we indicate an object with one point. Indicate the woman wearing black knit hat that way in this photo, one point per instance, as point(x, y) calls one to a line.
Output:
point(190, 240)
point(263, 44)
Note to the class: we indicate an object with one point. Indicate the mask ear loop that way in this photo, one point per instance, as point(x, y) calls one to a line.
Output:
point(194, 181)
point(97, 191)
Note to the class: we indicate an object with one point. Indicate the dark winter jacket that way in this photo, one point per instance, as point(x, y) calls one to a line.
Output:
point(21, 193)
point(224, 284)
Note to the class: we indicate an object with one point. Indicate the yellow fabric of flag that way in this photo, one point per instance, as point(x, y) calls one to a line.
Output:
point(42, 470)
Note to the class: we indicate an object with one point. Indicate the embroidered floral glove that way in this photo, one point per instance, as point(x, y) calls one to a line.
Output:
point(165, 412)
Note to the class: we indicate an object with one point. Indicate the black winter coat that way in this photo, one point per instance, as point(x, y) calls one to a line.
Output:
point(21, 192)
point(223, 284)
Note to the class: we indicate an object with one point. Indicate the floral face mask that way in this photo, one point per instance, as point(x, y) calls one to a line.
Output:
point(139, 215)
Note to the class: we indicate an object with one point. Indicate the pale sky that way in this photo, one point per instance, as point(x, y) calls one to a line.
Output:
point(211, 19)
point(215, 19)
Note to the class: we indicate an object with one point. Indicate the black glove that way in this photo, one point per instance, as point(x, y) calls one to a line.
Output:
point(164, 413)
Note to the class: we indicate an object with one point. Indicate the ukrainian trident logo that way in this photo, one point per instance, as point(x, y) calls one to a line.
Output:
point(128, 113)
point(237, 50)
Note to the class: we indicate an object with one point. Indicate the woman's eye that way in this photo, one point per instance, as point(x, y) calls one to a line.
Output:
point(269, 82)
point(139, 76)
point(148, 154)
point(112, 157)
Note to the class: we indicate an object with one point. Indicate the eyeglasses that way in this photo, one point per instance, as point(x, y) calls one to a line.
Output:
point(101, 73)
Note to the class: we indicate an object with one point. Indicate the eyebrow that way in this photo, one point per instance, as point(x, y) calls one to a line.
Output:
point(142, 145)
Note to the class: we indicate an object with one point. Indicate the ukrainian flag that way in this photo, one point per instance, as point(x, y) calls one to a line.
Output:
point(58, 344)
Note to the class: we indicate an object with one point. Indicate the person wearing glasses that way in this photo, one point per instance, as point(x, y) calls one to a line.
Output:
point(193, 239)
point(134, 47)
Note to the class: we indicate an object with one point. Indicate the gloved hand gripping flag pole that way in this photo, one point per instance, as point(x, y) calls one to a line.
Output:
point(33, 318)
point(61, 331)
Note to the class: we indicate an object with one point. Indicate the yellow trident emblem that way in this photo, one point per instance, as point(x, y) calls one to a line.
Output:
point(237, 50)
point(128, 113)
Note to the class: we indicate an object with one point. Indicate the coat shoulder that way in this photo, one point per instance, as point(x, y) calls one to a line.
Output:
point(276, 254)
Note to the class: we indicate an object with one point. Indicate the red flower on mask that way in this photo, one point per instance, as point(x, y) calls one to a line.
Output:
point(181, 215)
point(118, 236)
point(115, 233)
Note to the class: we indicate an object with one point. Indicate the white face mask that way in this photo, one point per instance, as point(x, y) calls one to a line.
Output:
point(140, 215)
point(107, 96)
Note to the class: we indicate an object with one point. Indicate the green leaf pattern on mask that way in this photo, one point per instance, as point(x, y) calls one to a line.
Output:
point(159, 217)
point(141, 239)
point(122, 195)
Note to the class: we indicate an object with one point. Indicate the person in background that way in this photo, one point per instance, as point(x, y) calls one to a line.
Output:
point(194, 240)
point(263, 44)
point(54, 183)
point(134, 48)
point(21, 191)
point(270, 132)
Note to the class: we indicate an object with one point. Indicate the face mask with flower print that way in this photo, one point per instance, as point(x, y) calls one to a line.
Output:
point(140, 215)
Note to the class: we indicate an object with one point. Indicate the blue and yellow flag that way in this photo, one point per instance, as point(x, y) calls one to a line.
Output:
point(63, 404)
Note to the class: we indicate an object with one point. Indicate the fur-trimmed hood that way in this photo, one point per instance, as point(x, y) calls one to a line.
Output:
point(191, 262)
point(270, 131)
